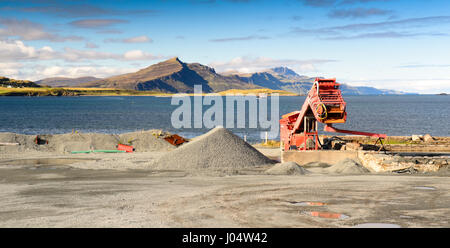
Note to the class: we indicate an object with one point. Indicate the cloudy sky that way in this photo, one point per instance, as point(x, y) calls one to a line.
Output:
point(393, 44)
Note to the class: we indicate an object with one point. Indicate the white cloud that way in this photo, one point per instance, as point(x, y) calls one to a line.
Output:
point(253, 64)
point(138, 39)
point(9, 69)
point(81, 71)
point(17, 50)
point(21, 61)
point(71, 54)
point(139, 55)
point(90, 45)
point(31, 71)
point(96, 23)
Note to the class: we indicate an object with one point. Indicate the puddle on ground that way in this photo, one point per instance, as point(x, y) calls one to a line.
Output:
point(377, 225)
point(326, 215)
point(305, 203)
point(425, 187)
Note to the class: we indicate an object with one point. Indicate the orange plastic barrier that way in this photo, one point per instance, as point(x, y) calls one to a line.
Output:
point(126, 148)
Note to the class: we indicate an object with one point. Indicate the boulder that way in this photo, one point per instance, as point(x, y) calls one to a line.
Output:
point(428, 138)
point(353, 146)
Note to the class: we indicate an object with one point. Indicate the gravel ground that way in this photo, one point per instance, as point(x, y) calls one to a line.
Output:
point(62, 196)
point(163, 189)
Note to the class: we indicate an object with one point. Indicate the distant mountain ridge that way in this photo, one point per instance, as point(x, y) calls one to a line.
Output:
point(283, 78)
point(174, 76)
point(65, 81)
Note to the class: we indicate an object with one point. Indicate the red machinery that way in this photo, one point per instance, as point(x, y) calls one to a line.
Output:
point(324, 103)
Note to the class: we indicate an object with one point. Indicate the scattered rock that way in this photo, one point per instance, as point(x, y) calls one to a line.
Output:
point(387, 163)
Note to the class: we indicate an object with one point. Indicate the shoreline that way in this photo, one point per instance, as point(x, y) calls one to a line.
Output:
point(69, 91)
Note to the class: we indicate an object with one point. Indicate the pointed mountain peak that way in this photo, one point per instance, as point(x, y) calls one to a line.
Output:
point(174, 60)
point(172, 64)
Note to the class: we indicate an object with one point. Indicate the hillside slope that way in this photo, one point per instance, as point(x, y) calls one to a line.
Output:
point(65, 81)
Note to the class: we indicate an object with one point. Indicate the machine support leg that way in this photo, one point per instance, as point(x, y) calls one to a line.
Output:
point(382, 145)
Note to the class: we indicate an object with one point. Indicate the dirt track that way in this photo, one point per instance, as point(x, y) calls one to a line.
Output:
point(62, 196)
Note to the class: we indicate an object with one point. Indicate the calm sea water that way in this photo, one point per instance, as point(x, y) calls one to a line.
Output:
point(394, 115)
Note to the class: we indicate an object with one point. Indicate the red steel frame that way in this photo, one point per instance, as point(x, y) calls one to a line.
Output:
point(324, 104)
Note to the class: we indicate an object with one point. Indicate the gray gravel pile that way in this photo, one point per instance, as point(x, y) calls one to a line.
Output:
point(347, 166)
point(66, 143)
point(287, 168)
point(26, 143)
point(218, 149)
point(146, 141)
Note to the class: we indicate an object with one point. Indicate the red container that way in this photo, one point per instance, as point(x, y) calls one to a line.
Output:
point(126, 148)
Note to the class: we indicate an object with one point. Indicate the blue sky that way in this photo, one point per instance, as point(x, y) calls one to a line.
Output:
point(392, 44)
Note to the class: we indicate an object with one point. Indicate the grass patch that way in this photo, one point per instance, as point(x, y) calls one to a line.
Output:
point(43, 91)
point(400, 142)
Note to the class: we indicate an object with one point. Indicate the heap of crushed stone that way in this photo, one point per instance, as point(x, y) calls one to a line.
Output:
point(65, 143)
point(287, 168)
point(147, 141)
point(26, 142)
point(347, 166)
point(218, 149)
